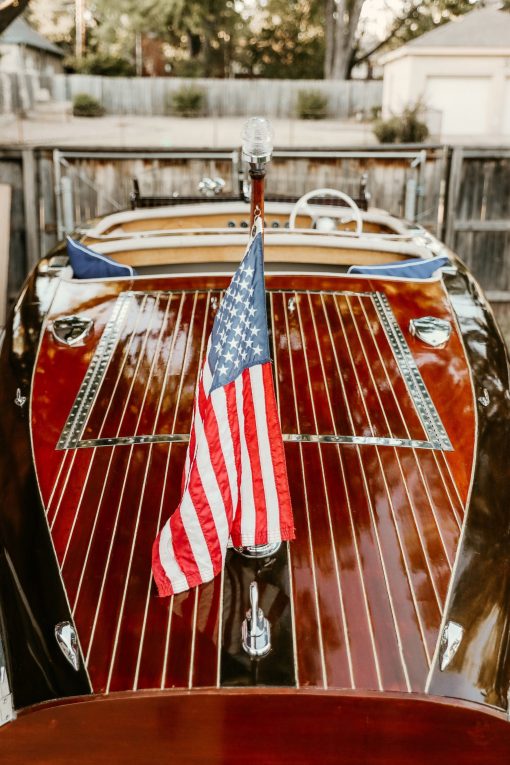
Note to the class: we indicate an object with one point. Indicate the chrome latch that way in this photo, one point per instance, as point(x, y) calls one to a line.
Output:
point(450, 642)
point(256, 630)
point(431, 330)
point(68, 643)
point(259, 551)
point(71, 330)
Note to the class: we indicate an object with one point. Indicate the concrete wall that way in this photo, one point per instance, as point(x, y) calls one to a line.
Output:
point(471, 92)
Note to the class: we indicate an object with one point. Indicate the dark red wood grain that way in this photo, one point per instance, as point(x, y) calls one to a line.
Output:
point(294, 727)
point(377, 527)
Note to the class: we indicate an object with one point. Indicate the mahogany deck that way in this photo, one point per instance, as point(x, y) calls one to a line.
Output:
point(376, 526)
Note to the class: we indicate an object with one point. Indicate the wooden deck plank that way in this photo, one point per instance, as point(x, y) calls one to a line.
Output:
point(377, 527)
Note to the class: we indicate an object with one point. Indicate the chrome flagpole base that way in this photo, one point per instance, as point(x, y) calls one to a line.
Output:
point(259, 551)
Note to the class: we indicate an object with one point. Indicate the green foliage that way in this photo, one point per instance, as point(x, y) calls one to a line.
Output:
point(387, 131)
point(188, 101)
point(86, 106)
point(287, 40)
point(406, 128)
point(97, 63)
point(224, 38)
point(312, 105)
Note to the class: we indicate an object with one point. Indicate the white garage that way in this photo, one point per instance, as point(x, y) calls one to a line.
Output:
point(460, 72)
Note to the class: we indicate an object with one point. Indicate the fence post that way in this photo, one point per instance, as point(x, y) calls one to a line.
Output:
point(454, 180)
point(31, 207)
point(57, 175)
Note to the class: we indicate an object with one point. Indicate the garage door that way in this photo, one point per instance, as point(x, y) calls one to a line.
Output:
point(506, 110)
point(462, 101)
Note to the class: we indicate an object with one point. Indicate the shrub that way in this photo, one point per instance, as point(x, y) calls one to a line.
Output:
point(387, 131)
point(406, 128)
point(312, 105)
point(97, 63)
point(188, 101)
point(413, 129)
point(86, 106)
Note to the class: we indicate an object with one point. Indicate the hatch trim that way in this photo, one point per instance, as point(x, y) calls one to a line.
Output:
point(436, 435)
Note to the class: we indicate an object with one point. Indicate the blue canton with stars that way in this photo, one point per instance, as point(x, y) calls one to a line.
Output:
point(239, 337)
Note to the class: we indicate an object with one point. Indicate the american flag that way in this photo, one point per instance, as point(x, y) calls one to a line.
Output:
point(235, 485)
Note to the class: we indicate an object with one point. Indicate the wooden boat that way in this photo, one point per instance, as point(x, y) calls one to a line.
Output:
point(389, 611)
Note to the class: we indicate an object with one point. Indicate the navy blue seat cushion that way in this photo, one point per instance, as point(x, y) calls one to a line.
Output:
point(408, 269)
point(87, 264)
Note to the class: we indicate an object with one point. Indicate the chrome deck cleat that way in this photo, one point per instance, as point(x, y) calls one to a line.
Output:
point(256, 630)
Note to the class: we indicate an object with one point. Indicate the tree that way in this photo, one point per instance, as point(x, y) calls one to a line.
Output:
point(344, 43)
point(210, 30)
point(286, 40)
point(9, 9)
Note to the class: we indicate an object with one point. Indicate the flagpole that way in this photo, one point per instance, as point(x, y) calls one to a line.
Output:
point(257, 149)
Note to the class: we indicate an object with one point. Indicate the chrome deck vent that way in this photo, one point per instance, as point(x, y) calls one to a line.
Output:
point(431, 330)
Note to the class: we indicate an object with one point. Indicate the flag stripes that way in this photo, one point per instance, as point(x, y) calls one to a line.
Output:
point(235, 487)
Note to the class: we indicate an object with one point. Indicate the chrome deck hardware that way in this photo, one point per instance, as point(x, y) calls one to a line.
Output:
point(450, 642)
point(256, 630)
point(259, 551)
point(20, 400)
point(6, 706)
point(431, 330)
point(68, 643)
point(211, 187)
point(484, 399)
point(71, 330)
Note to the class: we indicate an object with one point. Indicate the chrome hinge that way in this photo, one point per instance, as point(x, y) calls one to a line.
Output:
point(7, 712)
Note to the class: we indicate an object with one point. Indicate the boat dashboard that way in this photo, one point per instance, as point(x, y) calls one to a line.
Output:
point(301, 236)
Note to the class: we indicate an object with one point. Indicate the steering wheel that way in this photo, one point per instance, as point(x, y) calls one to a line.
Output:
point(303, 207)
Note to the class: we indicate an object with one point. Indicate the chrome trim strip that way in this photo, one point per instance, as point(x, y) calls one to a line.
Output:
point(163, 438)
point(78, 415)
point(315, 438)
point(360, 440)
point(424, 406)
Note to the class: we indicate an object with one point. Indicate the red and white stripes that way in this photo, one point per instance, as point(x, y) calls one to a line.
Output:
point(235, 481)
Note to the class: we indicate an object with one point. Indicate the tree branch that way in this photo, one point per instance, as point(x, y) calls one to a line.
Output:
point(399, 23)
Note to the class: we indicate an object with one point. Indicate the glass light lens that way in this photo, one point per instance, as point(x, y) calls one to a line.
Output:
point(257, 138)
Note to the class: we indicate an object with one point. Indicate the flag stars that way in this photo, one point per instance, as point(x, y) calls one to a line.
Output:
point(257, 350)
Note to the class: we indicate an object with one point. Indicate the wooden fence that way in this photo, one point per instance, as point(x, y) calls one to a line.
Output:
point(152, 95)
point(460, 194)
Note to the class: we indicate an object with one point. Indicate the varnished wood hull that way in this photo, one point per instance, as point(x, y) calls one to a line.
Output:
point(369, 578)
point(284, 727)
